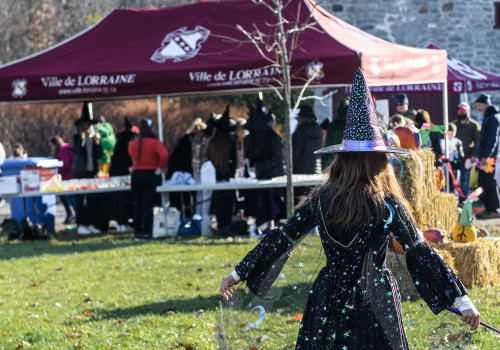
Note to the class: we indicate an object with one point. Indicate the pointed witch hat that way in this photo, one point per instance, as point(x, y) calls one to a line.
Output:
point(362, 133)
point(224, 122)
point(85, 117)
point(259, 117)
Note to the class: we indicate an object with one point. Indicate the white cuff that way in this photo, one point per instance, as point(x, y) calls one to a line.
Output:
point(463, 303)
point(235, 276)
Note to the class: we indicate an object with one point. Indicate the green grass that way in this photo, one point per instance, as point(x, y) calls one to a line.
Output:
point(109, 293)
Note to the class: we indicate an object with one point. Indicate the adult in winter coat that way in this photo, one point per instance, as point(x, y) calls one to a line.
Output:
point(87, 148)
point(354, 302)
point(489, 146)
point(335, 131)
point(468, 132)
point(121, 165)
point(306, 139)
point(64, 152)
point(149, 158)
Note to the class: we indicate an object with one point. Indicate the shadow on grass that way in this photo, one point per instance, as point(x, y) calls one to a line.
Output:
point(69, 243)
point(160, 308)
point(37, 248)
point(289, 302)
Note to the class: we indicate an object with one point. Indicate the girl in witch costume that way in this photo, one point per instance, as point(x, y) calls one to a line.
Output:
point(354, 302)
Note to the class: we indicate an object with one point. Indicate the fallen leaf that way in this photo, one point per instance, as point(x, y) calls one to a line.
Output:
point(200, 311)
point(228, 265)
point(87, 313)
point(87, 300)
point(59, 269)
point(199, 269)
point(23, 344)
point(260, 339)
point(73, 335)
point(115, 267)
point(254, 348)
point(189, 284)
point(189, 346)
point(80, 346)
point(76, 317)
point(298, 317)
point(37, 303)
point(197, 288)
point(121, 321)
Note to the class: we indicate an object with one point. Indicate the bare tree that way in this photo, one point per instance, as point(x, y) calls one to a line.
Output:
point(283, 40)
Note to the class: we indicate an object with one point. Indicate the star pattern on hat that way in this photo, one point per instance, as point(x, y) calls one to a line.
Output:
point(362, 121)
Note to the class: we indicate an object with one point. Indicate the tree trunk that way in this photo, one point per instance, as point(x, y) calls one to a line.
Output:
point(287, 101)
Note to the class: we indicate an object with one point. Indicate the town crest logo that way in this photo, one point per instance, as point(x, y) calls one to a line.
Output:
point(19, 88)
point(181, 44)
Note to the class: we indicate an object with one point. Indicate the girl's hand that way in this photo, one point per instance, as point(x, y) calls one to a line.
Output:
point(471, 317)
point(225, 287)
point(157, 171)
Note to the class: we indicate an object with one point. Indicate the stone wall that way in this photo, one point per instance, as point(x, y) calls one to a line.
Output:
point(462, 27)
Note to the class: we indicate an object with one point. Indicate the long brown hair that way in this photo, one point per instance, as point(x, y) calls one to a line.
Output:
point(219, 151)
point(144, 131)
point(57, 141)
point(356, 188)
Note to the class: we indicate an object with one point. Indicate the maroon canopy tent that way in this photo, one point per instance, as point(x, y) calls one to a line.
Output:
point(198, 48)
point(462, 78)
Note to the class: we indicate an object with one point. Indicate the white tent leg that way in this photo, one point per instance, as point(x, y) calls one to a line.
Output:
point(160, 119)
point(446, 140)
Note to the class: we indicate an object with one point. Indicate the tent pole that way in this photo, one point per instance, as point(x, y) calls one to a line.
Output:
point(91, 110)
point(160, 118)
point(446, 140)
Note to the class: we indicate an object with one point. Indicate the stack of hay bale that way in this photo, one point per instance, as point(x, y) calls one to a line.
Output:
point(428, 206)
point(477, 264)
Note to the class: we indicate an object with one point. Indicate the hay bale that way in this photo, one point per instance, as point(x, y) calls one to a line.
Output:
point(428, 206)
point(477, 264)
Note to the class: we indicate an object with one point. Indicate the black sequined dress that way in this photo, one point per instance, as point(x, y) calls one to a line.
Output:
point(354, 302)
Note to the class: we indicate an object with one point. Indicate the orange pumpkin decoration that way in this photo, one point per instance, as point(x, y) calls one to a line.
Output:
point(463, 233)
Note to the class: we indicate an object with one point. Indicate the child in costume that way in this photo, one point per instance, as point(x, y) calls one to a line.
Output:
point(354, 302)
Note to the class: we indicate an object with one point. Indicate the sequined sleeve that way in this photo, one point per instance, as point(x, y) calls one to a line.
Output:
point(436, 283)
point(261, 266)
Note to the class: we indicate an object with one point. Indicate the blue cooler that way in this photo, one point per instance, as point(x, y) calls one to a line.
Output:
point(189, 226)
point(45, 205)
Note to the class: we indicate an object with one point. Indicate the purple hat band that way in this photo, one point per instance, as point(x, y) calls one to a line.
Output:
point(363, 146)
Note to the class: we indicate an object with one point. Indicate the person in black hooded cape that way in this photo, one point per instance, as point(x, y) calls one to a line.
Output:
point(354, 302)
point(122, 203)
point(265, 158)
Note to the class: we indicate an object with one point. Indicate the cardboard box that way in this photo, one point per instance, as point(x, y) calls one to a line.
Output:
point(10, 185)
point(30, 180)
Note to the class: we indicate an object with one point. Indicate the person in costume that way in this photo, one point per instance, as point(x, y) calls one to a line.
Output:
point(265, 160)
point(221, 151)
point(121, 165)
point(108, 142)
point(354, 302)
point(87, 148)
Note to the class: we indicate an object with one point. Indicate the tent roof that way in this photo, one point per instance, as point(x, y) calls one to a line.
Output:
point(198, 48)
point(461, 78)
